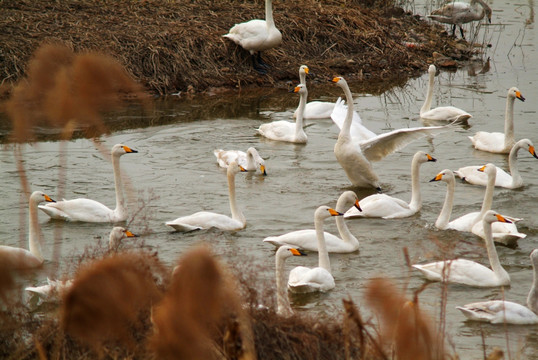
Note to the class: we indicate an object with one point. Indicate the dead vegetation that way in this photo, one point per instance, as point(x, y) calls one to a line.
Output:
point(178, 46)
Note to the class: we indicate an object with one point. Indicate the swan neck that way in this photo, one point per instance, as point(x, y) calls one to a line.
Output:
point(488, 195)
point(120, 210)
point(34, 231)
point(323, 255)
point(532, 298)
point(234, 209)
point(282, 301)
point(509, 122)
point(512, 166)
point(492, 252)
point(343, 230)
point(299, 132)
point(250, 161)
point(429, 94)
point(446, 211)
point(302, 77)
point(346, 128)
point(416, 197)
point(269, 13)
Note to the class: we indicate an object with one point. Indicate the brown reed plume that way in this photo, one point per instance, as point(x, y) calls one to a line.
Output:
point(404, 326)
point(110, 299)
point(200, 306)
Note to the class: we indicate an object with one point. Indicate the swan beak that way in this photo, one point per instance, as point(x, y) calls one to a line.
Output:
point(242, 169)
point(438, 177)
point(306, 70)
point(335, 213)
point(336, 79)
point(519, 96)
point(296, 89)
point(48, 198)
point(128, 149)
point(262, 169)
point(297, 252)
point(482, 169)
point(130, 234)
point(531, 150)
point(357, 205)
point(502, 219)
point(431, 158)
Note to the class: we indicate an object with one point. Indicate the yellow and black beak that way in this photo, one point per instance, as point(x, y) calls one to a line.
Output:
point(502, 219)
point(431, 158)
point(357, 205)
point(242, 169)
point(129, 234)
point(336, 79)
point(128, 149)
point(262, 169)
point(482, 169)
point(519, 96)
point(438, 177)
point(48, 198)
point(531, 150)
point(335, 213)
point(297, 252)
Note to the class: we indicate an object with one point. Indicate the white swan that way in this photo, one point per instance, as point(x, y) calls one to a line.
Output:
point(305, 280)
point(282, 301)
point(503, 179)
point(88, 210)
point(117, 234)
point(355, 155)
point(507, 312)
point(250, 160)
point(443, 219)
point(388, 207)
point(52, 291)
point(468, 272)
point(18, 258)
point(283, 130)
point(313, 109)
point(257, 36)
point(206, 219)
point(308, 240)
point(459, 13)
point(497, 142)
point(441, 113)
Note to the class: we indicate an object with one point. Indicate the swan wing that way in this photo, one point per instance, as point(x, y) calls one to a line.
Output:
point(225, 157)
point(505, 233)
point(460, 271)
point(465, 222)
point(317, 110)
point(499, 312)
point(205, 220)
point(303, 279)
point(446, 113)
point(277, 130)
point(489, 141)
point(81, 209)
point(358, 131)
point(471, 175)
point(248, 33)
point(306, 240)
point(381, 206)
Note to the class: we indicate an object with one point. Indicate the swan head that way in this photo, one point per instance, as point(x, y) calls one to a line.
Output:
point(117, 234)
point(346, 198)
point(120, 149)
point(303, 69)
point(300, 89)
point(234, 168)
point(423, 157)
point(526, 144)
point(515, 93)
point(324, 212)
point(39, 197)
point(446, 175)
point(492, 216)
point(260, 163)
point(489, 169)
point(340, 81)
point(286, 251)
point(432, 69)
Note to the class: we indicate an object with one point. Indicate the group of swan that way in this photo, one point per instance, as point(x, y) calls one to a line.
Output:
point(250, 160)
point(257, 36)
point(459, 13)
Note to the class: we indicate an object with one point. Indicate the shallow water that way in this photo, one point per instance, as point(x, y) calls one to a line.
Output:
point(175, 174)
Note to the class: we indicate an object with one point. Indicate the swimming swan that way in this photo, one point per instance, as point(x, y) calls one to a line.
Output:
point(283, 130)
point(502, 179)
point(442, 113)
point(459, 13)
point(257, 36)
point(206, 219)
point(18, 258)
point(305, 280)
point(355, 155)
point(282, 301)
point(250, 160)
point(308, 240)
point(88, 210)
point(388, 207)
point(468, 272)
point(507, 312)
point(497, 142)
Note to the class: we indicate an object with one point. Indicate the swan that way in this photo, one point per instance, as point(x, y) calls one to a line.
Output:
point(257, 36)
point(117, 234)
point(206, 220)
point(88, 210)
point(308, 240)
point(283, 303)
point(250, 160)
point(283, 130)
point(502, 179)
point(507, 312)
point(313, 109)
point(496, 142)
point(305, 280)
point(18, 258)
point(442, 221)
point(355, 155)
point(468, 272)
point(459, 13)
point(447, 113)
point(388, 207)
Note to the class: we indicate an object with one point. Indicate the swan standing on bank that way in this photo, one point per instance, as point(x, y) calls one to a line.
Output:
point(308, 240)
point(388, 207)
point(313, 109)
point(282, 301)
point(18, 258)
point(497, 142)
point(502, 179)
point(257, 36)
point(468, 272)
point(250, 160)
point(459, 13)
point(355, 155)
point(305, 280)
point(287, 131)
point(88, 210)
point(206, 219)
point(507, 312)
point(442, 113)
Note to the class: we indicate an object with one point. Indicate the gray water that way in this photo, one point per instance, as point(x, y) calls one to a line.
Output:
point(175, 174)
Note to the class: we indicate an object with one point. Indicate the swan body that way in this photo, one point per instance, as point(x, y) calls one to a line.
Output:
point(256, 36)
point(283, 303)
point(51, 291)
point(388, 207)
point(497, 142)
point(206, 219)
point(88, 210)
point(513, 180)
point(507, 312)
point(468, 272)
point(313, 109)
point(307, 239)
point(249, 160)
point(305, 280)
point(18, 258)
point(442, 113)
point(287, 131)
point(355, 155)
point(459, 13)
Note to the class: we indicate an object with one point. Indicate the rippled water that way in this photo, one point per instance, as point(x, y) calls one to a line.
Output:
point(175, 173)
